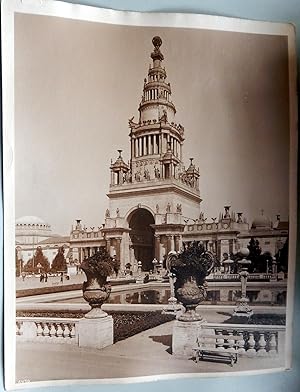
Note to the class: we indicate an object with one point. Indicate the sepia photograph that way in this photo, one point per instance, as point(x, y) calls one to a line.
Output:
point(154, 186)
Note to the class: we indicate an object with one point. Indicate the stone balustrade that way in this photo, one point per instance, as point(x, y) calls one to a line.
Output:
point(223, 276)
point(252, 276)
point(256, 340)
point(44, 329)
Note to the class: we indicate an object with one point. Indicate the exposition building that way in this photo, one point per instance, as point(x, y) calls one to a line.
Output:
point(154, 199)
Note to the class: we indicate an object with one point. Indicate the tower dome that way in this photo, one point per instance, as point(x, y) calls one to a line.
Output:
point(261, 222)
point(32, 225)
point(30, 220)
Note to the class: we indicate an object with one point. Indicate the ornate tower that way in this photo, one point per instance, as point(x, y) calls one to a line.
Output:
point(152, 195)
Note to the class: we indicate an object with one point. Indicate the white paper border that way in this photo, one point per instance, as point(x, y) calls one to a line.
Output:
point(93, 14)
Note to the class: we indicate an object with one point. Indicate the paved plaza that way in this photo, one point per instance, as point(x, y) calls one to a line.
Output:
point(33, 282)
point(144, 354)
point(147, 353)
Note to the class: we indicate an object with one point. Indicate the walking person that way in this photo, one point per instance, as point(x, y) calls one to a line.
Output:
point(46, 277)
point(61, 277)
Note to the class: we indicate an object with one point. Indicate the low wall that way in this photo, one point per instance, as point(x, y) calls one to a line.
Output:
point(62, 288)
point(255, 340)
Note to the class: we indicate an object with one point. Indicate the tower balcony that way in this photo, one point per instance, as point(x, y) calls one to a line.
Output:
point(156, 102)
point(155, 126)
point(156, 185)
point(152, 84)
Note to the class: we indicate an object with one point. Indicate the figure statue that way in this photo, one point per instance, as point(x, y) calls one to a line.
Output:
point(127, 177)
point(168, 209)
point(146, 174)
point(164, 117)
point(179, 208)
point(156, 172)
point(138, 176)
point(239, 218)
point(227, 214)
point(118, 213)
point(131, 123)
point(157, 208)
point(107, 213)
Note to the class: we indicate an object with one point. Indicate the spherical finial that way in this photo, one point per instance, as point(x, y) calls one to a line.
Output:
point(244, 252)
point(157, 41)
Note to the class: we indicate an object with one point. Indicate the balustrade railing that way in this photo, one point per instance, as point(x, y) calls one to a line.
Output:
point(255, 340)
point(44, 329)
point(252, 276)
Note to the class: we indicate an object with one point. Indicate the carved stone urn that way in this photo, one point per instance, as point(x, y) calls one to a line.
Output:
point(191, 266)
point(96, 289)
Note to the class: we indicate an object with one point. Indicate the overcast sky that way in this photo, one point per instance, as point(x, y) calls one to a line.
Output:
point(78, 83)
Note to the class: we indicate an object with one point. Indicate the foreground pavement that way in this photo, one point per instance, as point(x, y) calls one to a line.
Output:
point(145, 354)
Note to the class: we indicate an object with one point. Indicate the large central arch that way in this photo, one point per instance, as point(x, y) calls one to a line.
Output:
point(142, 237)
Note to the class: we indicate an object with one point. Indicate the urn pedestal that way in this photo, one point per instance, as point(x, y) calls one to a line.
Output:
point(189, 268)
point(96, 332)
point(185, 335)
point(96, 328)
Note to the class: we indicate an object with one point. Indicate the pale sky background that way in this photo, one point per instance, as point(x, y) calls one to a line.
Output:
point(78, 83)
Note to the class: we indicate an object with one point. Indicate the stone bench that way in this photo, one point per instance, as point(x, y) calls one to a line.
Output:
point(217, 347)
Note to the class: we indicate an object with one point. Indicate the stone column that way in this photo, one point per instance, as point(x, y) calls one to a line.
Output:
point(157, 246)
point(219, 256)
point(177, 243)
point(150, 149)
point(162, 250)
point(108, 245)
point(224, 247)
point(172, 243)
point(231, 246)
point(145, 145)
point(112, 178)
point(161, 146)
point(132, 259)
point(158, 144)
point(132, 146)
point(118, 248)
point(169, 243)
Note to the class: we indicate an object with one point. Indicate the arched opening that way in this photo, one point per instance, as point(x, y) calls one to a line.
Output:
point(142, 237)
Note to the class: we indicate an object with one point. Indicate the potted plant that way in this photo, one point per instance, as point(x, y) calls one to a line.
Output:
point(190, 267)
point(96, 289)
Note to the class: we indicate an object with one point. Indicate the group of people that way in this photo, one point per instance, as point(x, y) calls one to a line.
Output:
point(44, 277)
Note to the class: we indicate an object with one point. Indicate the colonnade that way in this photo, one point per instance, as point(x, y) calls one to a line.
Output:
point(218, 247)
point(155, 93)
point(173, 242)
point(80, 253)
point(152, 145)
point(146, 145)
